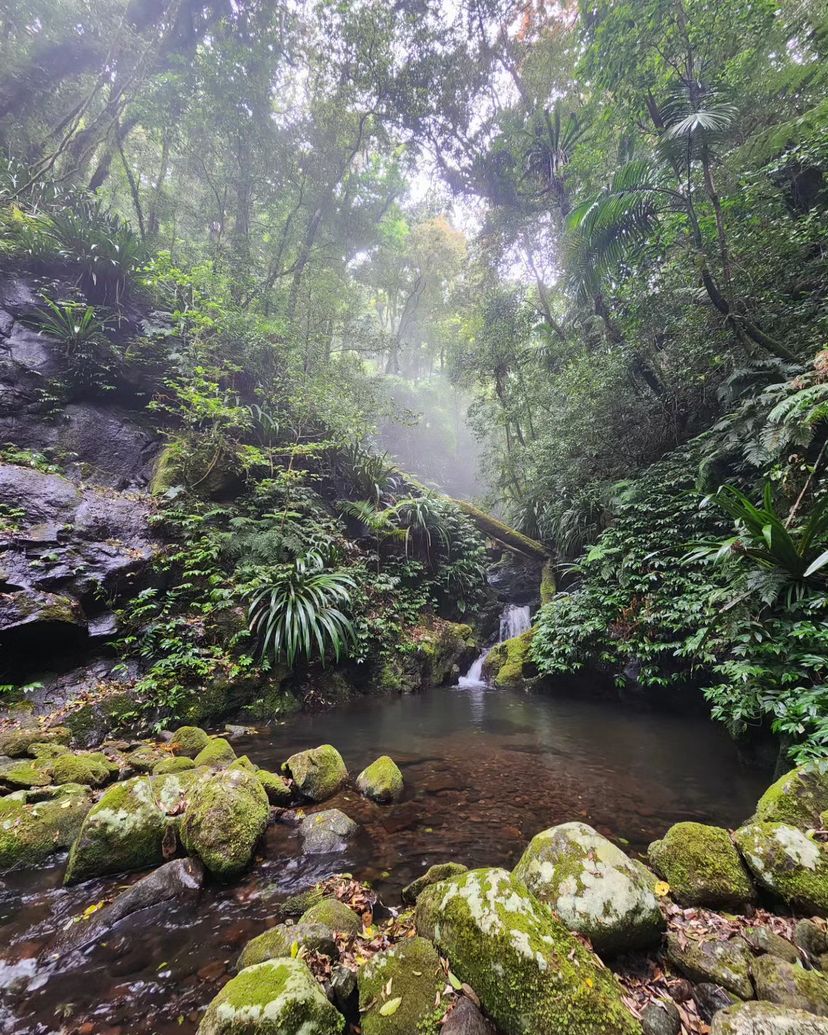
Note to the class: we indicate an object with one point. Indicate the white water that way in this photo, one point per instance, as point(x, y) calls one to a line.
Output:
point(513, 621)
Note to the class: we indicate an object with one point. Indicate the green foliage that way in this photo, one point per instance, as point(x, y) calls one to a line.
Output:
point(90, 358)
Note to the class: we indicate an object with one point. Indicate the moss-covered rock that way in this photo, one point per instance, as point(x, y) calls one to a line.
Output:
point(788, 984)
point(709, 960)
point(531, 974)
point(243, 762)
point(766, 1019)
point(188, 741)
point(46, 750)
point(333, 915)
point(763, 940)
point(226, 815)
point(34, 824)
point(317, 773)
point(441, 648)
point(294, 906)
point(548, 588)
point(797, 798)
point(16, 742)
point(145, 758)
point(405, 982)
point(508, 664)
point(787, 862)
point(382, 780)
point(175, 764)
point(433, 875)
point(93, 769)
point(277, 789)
point(702, 867)
point(593, 886)
point(287, 940)
point(277, 997)
point(218, 754)
point(327, 831)
point(24, 773)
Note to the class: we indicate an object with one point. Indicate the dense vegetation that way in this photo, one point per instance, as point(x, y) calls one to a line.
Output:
point(283, 227)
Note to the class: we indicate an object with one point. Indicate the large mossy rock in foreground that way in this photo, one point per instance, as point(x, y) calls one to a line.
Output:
point(532, 975)
point(787, 862)
point(766, 1019)
point(593, 886)
point(382, 780)
point(797, 798)
point(278, 997)
point(399, 990)
point(702, 867)
point(318, 773)
point(226, 816)
point(34, 824)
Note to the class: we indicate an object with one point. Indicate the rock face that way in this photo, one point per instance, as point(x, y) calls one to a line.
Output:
point(382, 780)
point(433, 875)
point(327, 831)
point(788, 863)
point(34, 824)
point(788, 984)
point(593, 886)
point(225, 818)
point(398, 990)
point(272, 998)
point(797, 798)
point(766, 1019)
point(702, 867)
point(532, 976)
point(318, 773)
point(708, 960)
point(280, 941)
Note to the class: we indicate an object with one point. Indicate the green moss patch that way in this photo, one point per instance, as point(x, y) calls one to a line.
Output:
point(702, 867)
point(399, 990)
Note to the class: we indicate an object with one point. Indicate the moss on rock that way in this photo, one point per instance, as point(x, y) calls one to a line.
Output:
point(35, 824)
point(410, 973)
point(287, 940)
point(702, 867)
point(217, 753)
point(189, 740)
point(277, 789)
point(93, 769)
point(766, 1019)
point(16, 742)
point(433, 875)
point(787, 862)
point(317, 773)
point(333, 915)
point(797, 798)
point(508, 664)
point(789, 984)
point(23, 774)
point(382, 780)
point(533, 977)
point(710, 960)
point(47, 750)
point(176, 764)
point(145, 758)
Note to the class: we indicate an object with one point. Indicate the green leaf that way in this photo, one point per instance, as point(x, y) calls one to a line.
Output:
point(391, 1007)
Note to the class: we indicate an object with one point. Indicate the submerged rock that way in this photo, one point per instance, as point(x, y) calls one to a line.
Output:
point(399, 990)
point(34, 824)
point(187, 741)
point(593, 886)
point(533, 977)
point(333, 915)
point(709, 960)
point(789, 984)
point(318, 773)
point(327, 831)
point(382, 780)
point(702, 867)
point(276, 997)
point(286, 940)
point(787, 862)
point(797, 798)
point(433, 875)
point(226, 816)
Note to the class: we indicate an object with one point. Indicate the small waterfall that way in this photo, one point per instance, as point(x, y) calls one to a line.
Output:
point(513, 621)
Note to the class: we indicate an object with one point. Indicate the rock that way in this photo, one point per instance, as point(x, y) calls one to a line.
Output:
point(93, 769)
point(145, 758)
point(217, 753)
point(382, 780)
point(721, 963)
point(661, 1018)
point(243, 763)
point(409, 975)
point(16, 743)
point(41, 751)
point(788, 863)
point(277, 789)
point(23, 774)
point(333, 915)
point(788, 984)
point(766, 1019)
point(797, 798)
point(710, 998)
point(280, 941)
point(277, 997)
point(31, 616)
point(702, 867)
point(533, 977)
point(508, 663)
point(466, 1019)
point(234, 732)
point(318, 773)
point(226, 816)
point(326, 831)
point(811, 938)
point(433, 875)
point(593, 886)
point(176, 764)
point(188, 741)
point(295, 905)
point(764, 940)
point(343, 985)
point(34, 824)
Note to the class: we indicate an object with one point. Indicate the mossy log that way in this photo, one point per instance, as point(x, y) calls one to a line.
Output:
point(503, 534)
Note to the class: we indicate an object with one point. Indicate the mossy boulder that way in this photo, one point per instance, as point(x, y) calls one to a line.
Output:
point(763, 940)
point(797, 798)
point(287, 940)
point(766, 1019)
point(441, 648)
point(333, 915)
point(243, 762)
point(508, 664)
point(593, 886)
point(533, 977)
point(326, 832)
point(145, 758)
point(16, 742)
point(702, 867)
point(277, 997)
point(788, 984)
point(46, 750)
point(382, 780)
point(23, 774)
point(277, 789)
point(174, 764)
point(787, 862)
point(433, 875)
point(34, 824)
point(93, 769)
point(317, 773)
point(405, 982)
point(187, 741)
point(226, 815)
point(218, 753)
point(710, 960)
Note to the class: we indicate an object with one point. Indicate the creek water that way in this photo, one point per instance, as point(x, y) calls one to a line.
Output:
point(484, 771)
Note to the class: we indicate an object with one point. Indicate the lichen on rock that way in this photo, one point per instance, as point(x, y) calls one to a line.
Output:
point(34, 824)
point(702, 867)
point(797, 798)
point(766, 1019)
point(787, 862)
point(725, 963)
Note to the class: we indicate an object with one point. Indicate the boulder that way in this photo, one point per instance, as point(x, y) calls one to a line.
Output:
point(811, 938)
point(763, 940)
point(175, 764)
point(399, 990)
point(710, 998)
point(709, 960)
point(16, 742)
point(466, 1019)
point(787, 862)
point(533, 977)
point(226, 815)
point(217, 753)
point(276, 997)
point(508, 664)
point(661, 1018)
point(287, 940)
point(276, 788)
point(381, 781)
point(593, 886)
point(45, 751)
point(702, 867)
point(24, 774)
point(326, 831)
point(318, 773)
point(797, 798)
point(334, 916)
point(188, 741)
point(145, 758)
point(34, 824)
point(788, 984)
point(93, 769)
point(766, 1019)
point(433, 875)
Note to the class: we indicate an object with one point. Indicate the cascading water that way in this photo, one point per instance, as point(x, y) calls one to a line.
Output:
point(513, 621)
